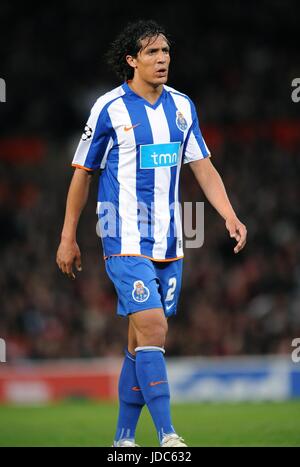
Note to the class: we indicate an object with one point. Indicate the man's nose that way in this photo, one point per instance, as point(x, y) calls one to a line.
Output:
point(161, 57)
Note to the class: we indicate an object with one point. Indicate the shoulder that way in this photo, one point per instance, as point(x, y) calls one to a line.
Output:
point(175, 92)
point(182, 101)
point(179, 96)
point(104, 101)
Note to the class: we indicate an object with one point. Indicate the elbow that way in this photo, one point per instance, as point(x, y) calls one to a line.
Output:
point(84, 175)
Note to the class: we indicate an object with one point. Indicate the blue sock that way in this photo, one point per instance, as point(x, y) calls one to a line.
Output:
point(152, 376)
point(131, 400)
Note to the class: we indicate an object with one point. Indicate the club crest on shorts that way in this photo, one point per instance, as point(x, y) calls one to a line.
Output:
point(140, 292)
point(181, 121)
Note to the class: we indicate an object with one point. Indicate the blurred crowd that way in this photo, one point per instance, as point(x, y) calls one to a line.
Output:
point(238, 72)
point(230, 304)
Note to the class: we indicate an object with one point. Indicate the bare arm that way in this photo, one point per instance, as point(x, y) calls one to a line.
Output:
point(68, 252)
point(213, 187)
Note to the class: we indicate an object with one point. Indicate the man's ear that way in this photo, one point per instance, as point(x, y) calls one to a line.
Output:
point(131, 61)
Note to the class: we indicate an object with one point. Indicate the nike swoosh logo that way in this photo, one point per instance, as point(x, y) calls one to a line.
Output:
point(135, 388)
point(128, 128)
point(169, 306)
point(155, 383)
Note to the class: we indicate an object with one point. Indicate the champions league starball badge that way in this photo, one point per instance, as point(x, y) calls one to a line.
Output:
point(87, 133)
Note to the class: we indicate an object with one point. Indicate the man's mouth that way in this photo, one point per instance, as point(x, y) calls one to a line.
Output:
point(162, 71)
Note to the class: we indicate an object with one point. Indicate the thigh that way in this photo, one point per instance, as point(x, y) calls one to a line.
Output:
point(136, 283)
point(170, 277)
point(150, 327)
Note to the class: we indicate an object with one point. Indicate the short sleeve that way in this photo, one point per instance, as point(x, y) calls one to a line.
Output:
point(195, 146)
point(95, 140)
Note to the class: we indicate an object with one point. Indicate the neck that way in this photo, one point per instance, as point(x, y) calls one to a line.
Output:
point(148, 91)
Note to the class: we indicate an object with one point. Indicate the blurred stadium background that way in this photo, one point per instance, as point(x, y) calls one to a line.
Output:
point(232, 338)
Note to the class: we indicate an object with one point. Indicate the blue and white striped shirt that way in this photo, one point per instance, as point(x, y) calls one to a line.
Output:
point(140, 148)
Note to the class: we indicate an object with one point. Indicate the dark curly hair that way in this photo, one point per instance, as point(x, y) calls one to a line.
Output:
point(128, 42)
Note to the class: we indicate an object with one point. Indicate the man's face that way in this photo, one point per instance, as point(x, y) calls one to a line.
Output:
point(152, 62)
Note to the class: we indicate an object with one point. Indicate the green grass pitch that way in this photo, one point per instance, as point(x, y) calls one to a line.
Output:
point(93, 424)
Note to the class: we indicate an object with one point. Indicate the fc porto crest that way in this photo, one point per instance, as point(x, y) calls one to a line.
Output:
point(140, 293)
point(181, 121)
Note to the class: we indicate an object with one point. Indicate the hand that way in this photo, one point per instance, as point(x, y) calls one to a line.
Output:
point(238, 231)
point(68, 253)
